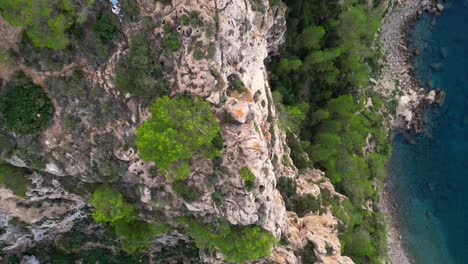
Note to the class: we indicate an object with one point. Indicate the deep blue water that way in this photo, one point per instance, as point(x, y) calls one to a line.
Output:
point(430, 179)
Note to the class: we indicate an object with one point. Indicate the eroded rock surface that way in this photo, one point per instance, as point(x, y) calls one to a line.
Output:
point(222, 60)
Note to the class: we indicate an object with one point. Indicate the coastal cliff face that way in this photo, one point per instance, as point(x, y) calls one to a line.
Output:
point(235, 38)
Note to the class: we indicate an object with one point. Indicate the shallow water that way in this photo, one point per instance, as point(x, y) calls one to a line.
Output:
point(430, 179)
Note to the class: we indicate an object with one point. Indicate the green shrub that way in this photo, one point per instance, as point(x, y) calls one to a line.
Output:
point(198, 54)
point(248, 177)
point(178, 129)
point(172, 41)
point(303, 204)
point(307, 253)
point(111, 207)
point(24, 106)
point(237, 243)
point(137, 235)
point(107, 28)
point(139, 72)
point(13, 178)
point(129, 10)
point(45, 22)
point(189, 193)
point(236, 83)
point(211, 50)
point(7, 146)
point(286, 186)
point(184, 20)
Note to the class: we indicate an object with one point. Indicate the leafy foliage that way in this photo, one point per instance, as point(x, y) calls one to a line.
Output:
point(172, 41)
point(178, 129)
point(24, 107)
point(236, 243)
point(137, 235)
point(13, 178)
point(327, 47)
point(139, 72)
point(107, 28)
point(111, 207)
point(248, 177)
point(129, 10)
point(325, 60)
point(301, 204)
point(46, 21)
point(188, 193)
point(92, 37)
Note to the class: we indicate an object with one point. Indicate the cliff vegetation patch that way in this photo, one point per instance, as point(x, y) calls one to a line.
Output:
point(111, 208)
point(237, 243)
point(179, 128)
point(24, 106)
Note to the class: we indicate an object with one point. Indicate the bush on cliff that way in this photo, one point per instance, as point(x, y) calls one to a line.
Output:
point(112, 209)
point(139, 71)
point(24, 106)
point(46, 22)
point(237, 243)
point(179, 128)
point(13, 178)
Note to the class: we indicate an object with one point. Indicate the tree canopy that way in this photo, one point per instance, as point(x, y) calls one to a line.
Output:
point(237, 243)
point(111, 207)
point(178, 129)
point(24, 106)
point(46, 21)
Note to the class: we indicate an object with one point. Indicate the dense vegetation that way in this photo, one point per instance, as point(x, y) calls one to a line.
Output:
point(89, 31)
point(24, 106)
point(13, 178)
point(326, 50)
point(320, 86)
point(237, 243)
point(46, 21)
point(111, 208)
point(178, 129)
point(301, 204)
point(139, 71)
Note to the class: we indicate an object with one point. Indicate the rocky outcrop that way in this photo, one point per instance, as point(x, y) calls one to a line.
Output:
point(239, 39)
point(320, 229)
point(222, 59)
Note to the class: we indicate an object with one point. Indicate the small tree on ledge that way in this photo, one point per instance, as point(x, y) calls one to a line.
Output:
point(179, 128)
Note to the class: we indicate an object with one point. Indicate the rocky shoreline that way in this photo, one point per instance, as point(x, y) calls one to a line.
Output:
point(398, 80)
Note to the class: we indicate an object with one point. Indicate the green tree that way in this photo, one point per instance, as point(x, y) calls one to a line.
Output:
point(13, 178)
point(45, 21)
point(111, 207)
point(137, 235)
point(311, 36)
point(24, 106)
point(178, 129)
point(237, 243)
point(139, 72)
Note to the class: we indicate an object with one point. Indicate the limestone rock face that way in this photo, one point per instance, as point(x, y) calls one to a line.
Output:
point(240, 41)
point(221, 59)
point(319, 229)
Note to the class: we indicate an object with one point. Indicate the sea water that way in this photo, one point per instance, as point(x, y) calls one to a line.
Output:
point(429, 179)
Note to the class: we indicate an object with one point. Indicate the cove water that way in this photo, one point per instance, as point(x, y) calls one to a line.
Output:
point(429, 180)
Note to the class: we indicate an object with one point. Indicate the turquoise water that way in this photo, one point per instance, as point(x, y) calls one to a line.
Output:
point(430, 179)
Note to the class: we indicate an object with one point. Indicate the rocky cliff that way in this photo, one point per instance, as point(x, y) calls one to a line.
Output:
point(224, 50)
